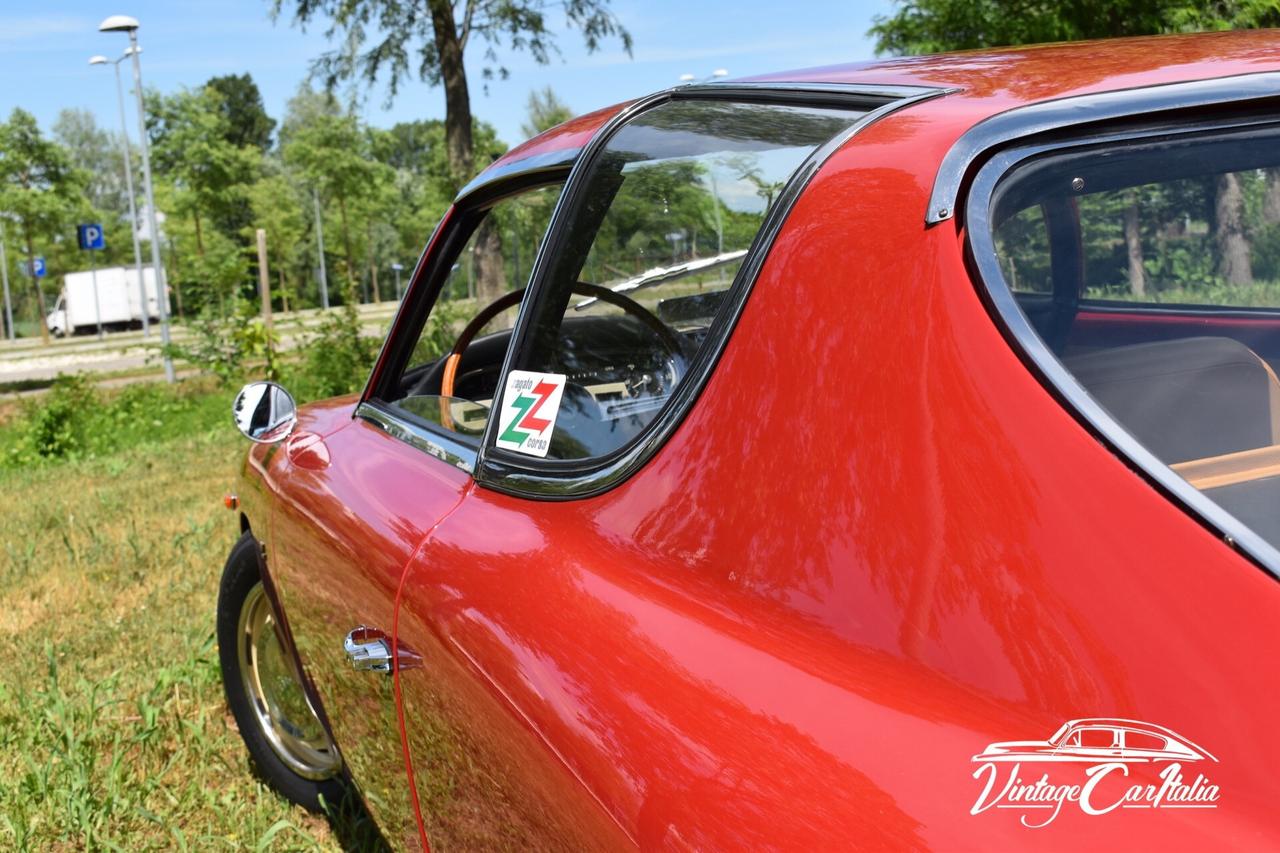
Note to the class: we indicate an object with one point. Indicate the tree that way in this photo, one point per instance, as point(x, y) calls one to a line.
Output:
point(39, 188)
point(334, 155)
point(97, 153)
point(430, 39)
point(545, 110)
point(247, 121)
point(278, 210)
point(189, 133)
point(935, 26)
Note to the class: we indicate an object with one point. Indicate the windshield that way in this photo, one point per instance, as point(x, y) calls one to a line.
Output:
point(1059, 735)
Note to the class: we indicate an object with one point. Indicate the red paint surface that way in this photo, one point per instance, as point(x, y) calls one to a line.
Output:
point(875, 545)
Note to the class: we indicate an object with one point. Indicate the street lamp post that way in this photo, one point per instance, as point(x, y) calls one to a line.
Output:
point(128, 182)
point(397, 267)
point(125, 24)
point(324, 279)
point(4, 276)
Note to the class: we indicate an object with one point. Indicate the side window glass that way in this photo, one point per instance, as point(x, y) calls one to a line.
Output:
point(1142, 740)
point(451, 386)
point(633, 291)
point(1153, 273)
point(1097, 738)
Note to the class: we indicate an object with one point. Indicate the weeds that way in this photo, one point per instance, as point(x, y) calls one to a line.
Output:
point(227, 344)
point(76, 421)
point(114, 732)
point(336, 359)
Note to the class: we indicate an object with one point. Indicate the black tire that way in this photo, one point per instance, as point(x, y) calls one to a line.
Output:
point(240, 578)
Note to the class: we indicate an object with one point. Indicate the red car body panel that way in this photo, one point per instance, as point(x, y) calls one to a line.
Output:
point(341, 537)
point(875, 544)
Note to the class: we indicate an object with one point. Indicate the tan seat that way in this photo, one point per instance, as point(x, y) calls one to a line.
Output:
point(1186, 399)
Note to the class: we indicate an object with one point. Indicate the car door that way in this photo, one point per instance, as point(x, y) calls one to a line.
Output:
point(352, 502)
point(352, 505)
point(356, 495)
point(577, 681)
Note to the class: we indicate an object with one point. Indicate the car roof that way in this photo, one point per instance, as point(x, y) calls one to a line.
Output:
point(990, 80)
point(980, 84)
point(1113, 722)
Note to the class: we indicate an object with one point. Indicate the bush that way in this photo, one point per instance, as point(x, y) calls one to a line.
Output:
point(73, 420)
point(336, 359)
point(56, 425)
point(224, 345)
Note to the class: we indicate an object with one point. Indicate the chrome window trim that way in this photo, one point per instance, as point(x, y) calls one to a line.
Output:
point(1059, 381)
point(1083, 110)
point(563, 480)
point(433, 442)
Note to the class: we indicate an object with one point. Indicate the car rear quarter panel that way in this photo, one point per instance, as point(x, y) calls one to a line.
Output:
point(875, 545)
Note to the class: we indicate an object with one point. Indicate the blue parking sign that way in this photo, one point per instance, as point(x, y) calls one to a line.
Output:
point(37, 266)
point(91, 236)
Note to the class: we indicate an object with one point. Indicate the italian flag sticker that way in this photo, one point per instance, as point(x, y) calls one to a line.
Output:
point(530, 403)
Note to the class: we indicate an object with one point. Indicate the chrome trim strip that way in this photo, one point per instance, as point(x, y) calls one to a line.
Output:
point(548, 161)
point(773, 88)
point(510, 473)
point(1058, 380)
point(1084, 110)
point(442, 447)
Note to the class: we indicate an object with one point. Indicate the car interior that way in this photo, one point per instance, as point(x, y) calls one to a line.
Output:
point(1189, 365)
point(635, 281)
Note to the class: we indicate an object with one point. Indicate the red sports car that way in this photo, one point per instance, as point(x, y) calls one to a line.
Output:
point(744, 459)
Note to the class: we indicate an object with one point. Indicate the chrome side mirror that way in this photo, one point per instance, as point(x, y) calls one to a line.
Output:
point(264, 412)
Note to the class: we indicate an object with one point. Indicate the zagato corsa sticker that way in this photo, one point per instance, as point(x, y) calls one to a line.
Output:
point(530, 403)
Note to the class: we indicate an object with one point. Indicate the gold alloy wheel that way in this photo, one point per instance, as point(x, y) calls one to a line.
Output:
point(274, 689)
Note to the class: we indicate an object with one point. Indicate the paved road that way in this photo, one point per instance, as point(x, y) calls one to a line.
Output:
point(29, 359)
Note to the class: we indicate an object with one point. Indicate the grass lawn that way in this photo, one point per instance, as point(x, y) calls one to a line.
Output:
point(114, 733)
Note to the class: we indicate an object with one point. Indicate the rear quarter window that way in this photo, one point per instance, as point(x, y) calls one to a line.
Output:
point(1151, 271)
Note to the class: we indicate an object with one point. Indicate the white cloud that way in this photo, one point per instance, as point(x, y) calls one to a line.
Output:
point(26, 28)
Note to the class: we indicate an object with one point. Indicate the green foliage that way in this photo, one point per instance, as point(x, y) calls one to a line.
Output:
point(57, 425)
point(937, 26)
point(74, 420)
point(545, 110)
point(336, 359)
point(40, 189)
point(440, 332)
point(190, 132)
point(1189, 267)
point(97, 153)
point(399, 39)
point(228, 345)
point(247, 122)
point(1266, 251)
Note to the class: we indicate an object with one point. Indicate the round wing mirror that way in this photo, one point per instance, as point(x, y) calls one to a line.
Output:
point(264, 412)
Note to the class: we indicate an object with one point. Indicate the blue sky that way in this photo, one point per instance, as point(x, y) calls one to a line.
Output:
point(45, 47)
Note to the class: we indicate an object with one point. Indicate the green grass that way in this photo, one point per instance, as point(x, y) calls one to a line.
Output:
point(114, 733)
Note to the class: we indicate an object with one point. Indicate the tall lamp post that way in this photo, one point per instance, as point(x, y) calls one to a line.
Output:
point(128, 182)
point(125, 24)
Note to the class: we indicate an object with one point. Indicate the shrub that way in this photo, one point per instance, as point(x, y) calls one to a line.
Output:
point(336, 359)
point(225, 345)
point(56, 425)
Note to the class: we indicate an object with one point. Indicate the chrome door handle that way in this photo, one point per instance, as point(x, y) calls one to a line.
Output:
point(368, 649)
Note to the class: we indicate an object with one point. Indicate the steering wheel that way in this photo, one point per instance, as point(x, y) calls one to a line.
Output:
point(582, 288)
